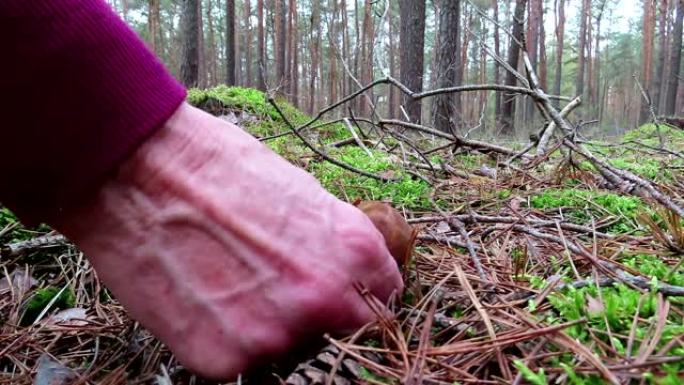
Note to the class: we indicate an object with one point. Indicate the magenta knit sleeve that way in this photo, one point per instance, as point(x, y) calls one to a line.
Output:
point(79, 91)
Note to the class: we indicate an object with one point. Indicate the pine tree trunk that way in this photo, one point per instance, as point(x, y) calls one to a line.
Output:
point(497, 67)
point(582, 47)
point(508, 106)
point(532, 39)
point(412, 45)
point(261, 71)
point(294, 57)
point(675, 61)
point(202, 64)
point(230, 42)
point(596, 79)
point(210, 49)
point(662, 53)
point(315, 49)
point(332, 59)
point(367, 42)
point(189, 70)
point(248, 81)
point(280, 43)
point(560, 38)
point(154, 28)
point(346, 83)
point(447, 110)
point(543, 69)
point(647, 56)
point(393, 92)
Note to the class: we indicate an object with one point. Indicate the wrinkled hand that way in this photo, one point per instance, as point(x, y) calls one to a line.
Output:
point(225, 251)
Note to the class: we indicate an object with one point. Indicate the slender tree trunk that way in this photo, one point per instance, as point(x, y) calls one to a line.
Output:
point(447, 113)
point(154, 28)
point(248, 81)
point(346, 82)
point(581, 52)
point(412, 37)
point(280, 43)
point(189, 70)
point(230, 42)
point(202, 66)
point(210, 48)
point(332, 59)
point(315, 32)
point(543, 69)
point(596, 79)
point(393, 92)
point(497, 67)
point(508, 107)
point(675, 61)
point(532, 40)
point(367, 55)
point(462, 72)
point(261, 46)
point(560, 38)
point(294, 66)
point(648, 30)
point(662, 53)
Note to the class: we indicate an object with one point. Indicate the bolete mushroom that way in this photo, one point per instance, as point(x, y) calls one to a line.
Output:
point(399, 235)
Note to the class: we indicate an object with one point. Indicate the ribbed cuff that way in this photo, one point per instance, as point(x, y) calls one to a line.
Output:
point(82, 93)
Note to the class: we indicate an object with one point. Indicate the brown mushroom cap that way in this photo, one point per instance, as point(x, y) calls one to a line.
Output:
point(399, 235)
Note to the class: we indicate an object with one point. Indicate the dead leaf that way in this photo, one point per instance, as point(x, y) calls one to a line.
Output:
point(76, 316)
point(51, 372)
point(442, 227)
point(20, 279)
point(594, 306)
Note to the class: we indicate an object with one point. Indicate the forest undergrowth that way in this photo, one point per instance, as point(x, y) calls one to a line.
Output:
point(539, 269)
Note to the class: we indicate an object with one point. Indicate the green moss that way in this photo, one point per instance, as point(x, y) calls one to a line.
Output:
point(579, 204)
point(42, 297)
point(648, 132)
point(348, 185)
point(654, 266)
point(534, 378)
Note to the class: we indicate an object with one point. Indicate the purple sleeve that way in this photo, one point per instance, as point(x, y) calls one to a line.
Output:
point(79, 91)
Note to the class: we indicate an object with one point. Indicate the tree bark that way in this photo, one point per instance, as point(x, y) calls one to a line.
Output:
point(280, 43)
point(508, 107)
point(367, 55)
point(532, 40)
point(560, 38)
point(248, 81)
point(294, 56)
point(447, 109)
point(582, 47)
point(662, 53)
point(210, 48)
point(412, 51)
point(543, 70)
point(346, 82)
point(332, 59)
point(230, 42)
point(393, 92)
point(596, 73)
point(261, 82)
point(648, 30)
point(315, 32)
point(497, 67)
point(153, 27)
point(675, 61)
point(189, 70)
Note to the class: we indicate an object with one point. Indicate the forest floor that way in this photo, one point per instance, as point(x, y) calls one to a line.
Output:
point(537, 270)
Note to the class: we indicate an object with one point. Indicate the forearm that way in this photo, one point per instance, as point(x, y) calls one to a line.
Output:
point(80, 92)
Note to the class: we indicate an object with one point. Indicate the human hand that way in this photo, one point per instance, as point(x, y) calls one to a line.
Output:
point(225, 251)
